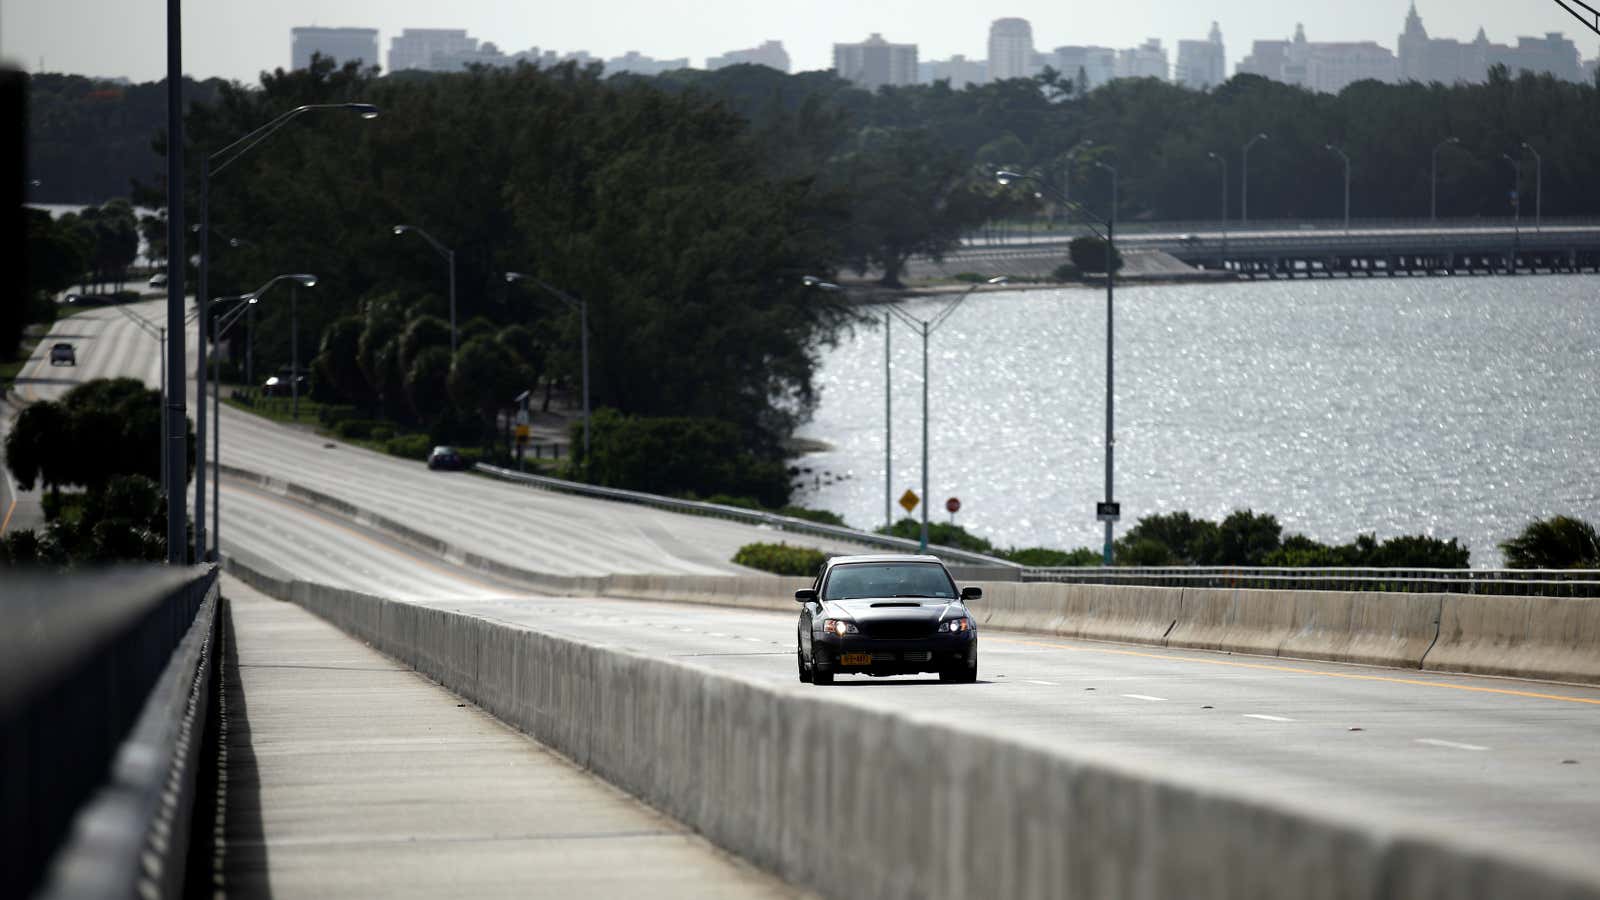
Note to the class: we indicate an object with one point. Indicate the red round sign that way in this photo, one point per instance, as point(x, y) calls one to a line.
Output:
point(952, 505)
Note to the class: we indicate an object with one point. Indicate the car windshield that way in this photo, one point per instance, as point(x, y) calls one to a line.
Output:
point(853, 581)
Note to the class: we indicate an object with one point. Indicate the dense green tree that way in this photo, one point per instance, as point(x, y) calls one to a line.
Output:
point(427, 383)
point(484, 378)
point(38, 447)
point(1187, 541)
point(1559, 542)
point(1245, 538)
point(1089, 254)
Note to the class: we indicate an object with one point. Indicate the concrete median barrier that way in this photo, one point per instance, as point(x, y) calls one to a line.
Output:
point(855, 801)
point(1555, 638)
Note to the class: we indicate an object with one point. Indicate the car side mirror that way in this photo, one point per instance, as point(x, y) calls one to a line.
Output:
point(805, 595)
point(972, 593)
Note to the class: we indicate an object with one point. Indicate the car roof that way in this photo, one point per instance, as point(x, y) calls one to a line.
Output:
point(885, 558)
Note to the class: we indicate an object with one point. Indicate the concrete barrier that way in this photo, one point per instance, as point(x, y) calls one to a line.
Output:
point(854, 801)
point(1555, 638)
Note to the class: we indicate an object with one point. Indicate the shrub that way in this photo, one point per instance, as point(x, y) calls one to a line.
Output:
point(812, 515)
point(727, 500)
point(1048, 558)
point(942, 534)
point(1089, 254)
point(355, 429)
point(408, 446)
point(381, 432)
point(968, 277)
point(677, 456)
point(781, 559)
point(330, 416)
point(1188, 541)
point(1245, 538)
point(1066, 272)
point(1560, 542)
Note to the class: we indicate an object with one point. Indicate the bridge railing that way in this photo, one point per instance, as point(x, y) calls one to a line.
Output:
point(104, 678)
point(748, 516)
point(1543, 582)
point(1020, 233)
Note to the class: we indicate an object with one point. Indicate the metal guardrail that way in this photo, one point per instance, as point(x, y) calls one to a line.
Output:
point(747, 516)
point(103, 680)
point(1542, 582)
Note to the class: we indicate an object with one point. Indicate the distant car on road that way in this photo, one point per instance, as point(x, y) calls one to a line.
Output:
point(158, 280)
point(886, 615)
point(63, 354)
point(446, 458)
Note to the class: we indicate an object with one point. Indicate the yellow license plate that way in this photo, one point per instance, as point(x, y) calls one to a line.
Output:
point(855, 659)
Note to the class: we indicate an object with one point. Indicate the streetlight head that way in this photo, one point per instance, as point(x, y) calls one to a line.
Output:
point(1006, 176)
point(1212, 154)
point(305, 280)
point(1452, 140)
point(1527, 146)
point(818, 283)
point(514, 276)
point(367, 110)
point(249, 298)
point(401, 229)
point(1327, 146)
point(1262, 136)
point(998, 279)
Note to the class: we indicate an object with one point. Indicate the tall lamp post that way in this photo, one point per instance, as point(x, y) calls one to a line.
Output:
point(247, 301)
point(450, 257)
point(1066, 183)
point(211, 166)
point(1108, 511)
point(812, 281)
point(1538, 187)
point(924, 327)
point(1223, 207)
point(582, 308)
point(1433, 178)
point(1244, 179)
point(1346, 158)
point(1516, 211)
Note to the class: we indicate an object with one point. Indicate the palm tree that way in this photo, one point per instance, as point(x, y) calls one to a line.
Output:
point(1560, 542)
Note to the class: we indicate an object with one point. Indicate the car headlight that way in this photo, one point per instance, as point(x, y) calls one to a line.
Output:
point(960, 623)
point(839, 627)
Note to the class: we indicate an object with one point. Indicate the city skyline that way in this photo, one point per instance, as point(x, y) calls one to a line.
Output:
point(239, 43)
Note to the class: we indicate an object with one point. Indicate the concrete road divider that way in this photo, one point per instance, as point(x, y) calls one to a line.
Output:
point(854, 801)
point(1556, 638)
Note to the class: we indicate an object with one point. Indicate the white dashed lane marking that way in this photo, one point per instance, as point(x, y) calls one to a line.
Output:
point(1267, 718)
point(1045, 683)
point(1435, 742)
point(1146, 697)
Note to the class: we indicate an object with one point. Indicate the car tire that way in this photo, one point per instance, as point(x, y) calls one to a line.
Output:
point(805, 674)
point(821, 678)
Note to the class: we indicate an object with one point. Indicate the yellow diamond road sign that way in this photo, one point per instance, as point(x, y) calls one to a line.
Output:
point(910, 500)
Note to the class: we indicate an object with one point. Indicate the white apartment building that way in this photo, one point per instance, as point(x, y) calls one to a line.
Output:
point(636, 63)
point(1148, 60)
point(770, 54)
point(958, 70)
point(1202, 64)
point(1087, 67)
point(415, 48)
point(1010, 49)
point(341, 45)
point(876, 63)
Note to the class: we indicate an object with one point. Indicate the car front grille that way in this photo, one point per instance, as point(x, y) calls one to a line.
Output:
point(917, 656)
point(892, 630)
point(882, 658)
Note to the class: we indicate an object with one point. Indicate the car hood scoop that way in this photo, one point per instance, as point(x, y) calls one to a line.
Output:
point(895, 604)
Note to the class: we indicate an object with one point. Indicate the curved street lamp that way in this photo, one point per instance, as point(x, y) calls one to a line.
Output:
point(1433, 178)
point(582, 308)
point(246, 303)
point(1223, 161)
point(925, 327)
point(1108, 511)
point(1538, 187)
point(1346, 159)
point(450, 257)
point(210, 165)
point(1244, 179)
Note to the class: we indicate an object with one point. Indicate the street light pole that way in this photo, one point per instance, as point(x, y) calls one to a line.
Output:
point(1110, 237)
point(1516, 211)
point(888, 428)
point(1223, 161)
point(1066, 185)
point(210, 166)
point(1538, 187)
point(582, 306)
point(1433, 179)
point(1244, 180)
point(294, 351)
point(1346, 159)
point(223, 326)
point(175, 450)
point(450, 258)
point(1111, 278)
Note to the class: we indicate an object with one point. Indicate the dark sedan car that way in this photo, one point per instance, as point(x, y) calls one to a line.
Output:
point(886, 615)
point(446, 458)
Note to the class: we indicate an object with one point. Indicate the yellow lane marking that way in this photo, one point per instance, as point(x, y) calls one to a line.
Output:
point(458, 574)
point(1300, 670)
point(6, 523)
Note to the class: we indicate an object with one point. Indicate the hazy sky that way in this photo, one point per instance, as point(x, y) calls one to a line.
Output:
point(240, 38)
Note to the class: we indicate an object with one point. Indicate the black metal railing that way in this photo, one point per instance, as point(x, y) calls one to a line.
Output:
point(1542, 582)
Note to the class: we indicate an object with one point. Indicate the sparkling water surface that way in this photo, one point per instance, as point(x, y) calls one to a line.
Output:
point(1456, 407)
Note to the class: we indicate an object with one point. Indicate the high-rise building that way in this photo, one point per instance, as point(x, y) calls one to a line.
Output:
point(1202, 64)
point(1087, 67)
point(770, 54)
point(1325, 67)
point(415, 48)
point(341, 45)
point(1449, 61)
point(1148, 60)
point(637, 63)
point(1010, 49)
point(876, 63)
point(958, 70)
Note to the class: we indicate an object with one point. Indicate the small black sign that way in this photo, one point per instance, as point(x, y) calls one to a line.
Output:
point(1108, 512)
